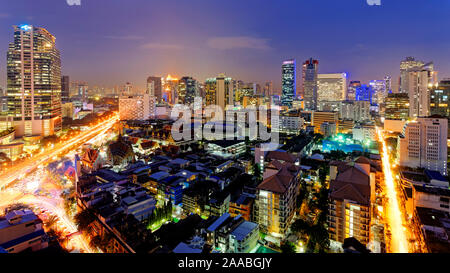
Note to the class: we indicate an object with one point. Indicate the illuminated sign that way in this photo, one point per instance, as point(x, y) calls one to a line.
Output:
point(25, 27)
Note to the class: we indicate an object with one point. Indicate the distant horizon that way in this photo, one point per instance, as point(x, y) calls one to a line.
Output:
point(366, 42)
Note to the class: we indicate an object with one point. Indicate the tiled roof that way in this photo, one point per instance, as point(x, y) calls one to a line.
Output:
point(90, 156)
point(278, 183)
point(281, 155)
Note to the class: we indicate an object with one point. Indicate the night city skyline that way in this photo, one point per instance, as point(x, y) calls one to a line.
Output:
point(225, 128)
point(187, 39)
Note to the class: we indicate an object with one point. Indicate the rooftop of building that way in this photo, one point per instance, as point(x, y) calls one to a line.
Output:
point(243, 230)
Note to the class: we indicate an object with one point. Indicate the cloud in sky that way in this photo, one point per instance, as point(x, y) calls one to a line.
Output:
point(4, 15)
point(127, 37)
point(238, 42)
point(160, 46)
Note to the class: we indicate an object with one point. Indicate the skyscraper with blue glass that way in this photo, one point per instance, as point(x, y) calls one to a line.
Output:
point(288, 83)
point(364, 93)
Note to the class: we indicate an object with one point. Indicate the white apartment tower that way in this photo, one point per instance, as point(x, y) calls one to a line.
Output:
point(424, 144)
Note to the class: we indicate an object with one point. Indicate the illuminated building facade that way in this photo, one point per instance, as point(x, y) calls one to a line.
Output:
point(397, 106)
point(423, 144)
point(309, 75)
point(351, 192)
point(318, 117)
point(34, 82)
point(439, 99)
point(136, 107)
point(379, 91)
point(219, 91)
point(351, 92)
point(154, 87)
point(170, 89)
point(188, 89)
point(364, 93)
point(65, 89)
point(407, 65)
point(331, 87)
point(288, 82)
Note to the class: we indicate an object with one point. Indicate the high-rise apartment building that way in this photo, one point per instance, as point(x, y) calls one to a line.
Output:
point(309, 75)
point(423, 144)
point(154, 87)
point(358, 111)
point(288, 82)
point(364, 93)
point(407, 65)
point(351, 92)
point(380, 91)
point(268, 89)
point(351, 193)
point(439, 99)
point(65, 89)
point(219, 91)
point(170, 89)
point(137, 107)
point(276, 194)
point(34, 82)
point(332, 87)
point(417, 84)
point(397, 106)
point(187, 90)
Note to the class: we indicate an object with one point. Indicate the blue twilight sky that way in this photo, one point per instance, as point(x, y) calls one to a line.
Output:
point(110, 42)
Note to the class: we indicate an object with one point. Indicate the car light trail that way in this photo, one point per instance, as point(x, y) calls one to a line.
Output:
point(21, 170)
point(399, 242)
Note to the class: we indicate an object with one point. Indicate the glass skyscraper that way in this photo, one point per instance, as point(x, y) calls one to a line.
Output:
point(34, 82)
point(288, 82)
point(364, 93)
point(310, 68)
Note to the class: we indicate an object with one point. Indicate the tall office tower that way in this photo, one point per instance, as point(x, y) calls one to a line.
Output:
point(288, 82)
point(154, 87)
point(268, 89)
point(351, 92)
point(219, 91)
point(439, 99)
point(127, 89)
point(417, 82)
point(170, 89)
point(331, 87)
point(309, 76)
point(409, 64)
point(187, 90)
point(388, 84)
point(244, 90)
point(423, 144)
point(397, 106)
point(65, 89)
point(364, 93)
point(379, 91)
point(83, 91)
point(34, 82)
point(352, 190)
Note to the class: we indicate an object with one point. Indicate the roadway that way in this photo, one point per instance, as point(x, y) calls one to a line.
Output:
point(393, 214)
point(22, 169)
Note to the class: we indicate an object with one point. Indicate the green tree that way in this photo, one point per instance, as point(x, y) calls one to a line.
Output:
point(287, 247)
point(84, 218)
